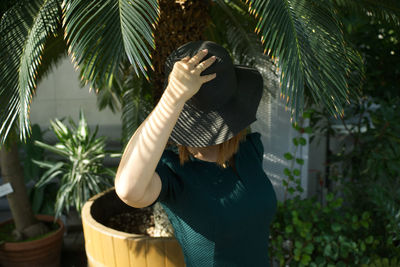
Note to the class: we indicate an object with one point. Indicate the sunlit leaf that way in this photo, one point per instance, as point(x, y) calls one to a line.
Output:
point(101, 34)
point(305, 38)
point(24, 30)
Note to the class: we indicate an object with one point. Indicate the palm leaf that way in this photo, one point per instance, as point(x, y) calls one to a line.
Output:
point(232, 26)
point(60, 129)
point(109, 97)
point(305, 39)
point(43, 164)
point(55, 50)
point(63, 199)
point(237, 27)
point(50, 174)
point(24, 30)
point(131, 95)
point(101, 34)
point(55, 149)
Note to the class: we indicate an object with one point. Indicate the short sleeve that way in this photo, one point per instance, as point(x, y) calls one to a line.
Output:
point(171, 183)
point(255, 141)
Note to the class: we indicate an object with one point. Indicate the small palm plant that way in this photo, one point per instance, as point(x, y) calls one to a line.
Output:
point(80, 170)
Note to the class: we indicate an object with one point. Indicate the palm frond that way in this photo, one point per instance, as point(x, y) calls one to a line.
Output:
point(236, 27)
point(55, 50)
point(129, 94)
point(232, 27)
point(109, 97)
point(24, 30)
point(101, 34)
point(305, 38)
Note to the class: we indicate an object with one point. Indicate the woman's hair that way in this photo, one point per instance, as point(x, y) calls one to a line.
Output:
point(225, 150)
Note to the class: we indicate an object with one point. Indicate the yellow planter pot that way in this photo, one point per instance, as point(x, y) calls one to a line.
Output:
point(108, 247)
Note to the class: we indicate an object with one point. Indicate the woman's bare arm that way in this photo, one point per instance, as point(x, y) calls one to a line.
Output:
point(136, 182)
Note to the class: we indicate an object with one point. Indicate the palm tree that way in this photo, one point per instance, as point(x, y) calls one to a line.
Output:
point(54, 49)
point(303, 37)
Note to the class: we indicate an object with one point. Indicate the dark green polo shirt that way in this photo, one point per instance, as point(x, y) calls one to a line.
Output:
point(221, 217)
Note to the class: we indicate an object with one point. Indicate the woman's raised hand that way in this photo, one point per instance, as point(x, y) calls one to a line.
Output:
point(185, 79)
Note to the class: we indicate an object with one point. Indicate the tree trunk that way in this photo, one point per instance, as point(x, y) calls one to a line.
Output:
point(11, 170)
point(181, 21)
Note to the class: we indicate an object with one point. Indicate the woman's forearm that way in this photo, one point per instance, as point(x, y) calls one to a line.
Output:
point(134, 181)
point(144, 149)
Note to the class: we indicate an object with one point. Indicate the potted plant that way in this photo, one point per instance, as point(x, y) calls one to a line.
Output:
point(78, 164)
point(107, 246)
point(25, 225)
point(75, 165)
point(27, 239)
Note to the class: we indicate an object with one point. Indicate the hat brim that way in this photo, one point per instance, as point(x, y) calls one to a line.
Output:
point(197, 128)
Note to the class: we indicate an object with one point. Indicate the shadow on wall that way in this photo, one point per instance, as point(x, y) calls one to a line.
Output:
point(273, 122)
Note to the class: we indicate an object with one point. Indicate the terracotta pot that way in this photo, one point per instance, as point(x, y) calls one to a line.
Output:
point(43, 252)
point(108, 247)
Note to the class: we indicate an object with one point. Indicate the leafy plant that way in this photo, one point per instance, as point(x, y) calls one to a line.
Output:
point(370, 168)
point(79, 165)
point(306, 233)
point(293, 182)
point(367, 164)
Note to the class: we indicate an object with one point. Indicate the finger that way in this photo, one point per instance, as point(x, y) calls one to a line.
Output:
point(207, 78)
point(185, 59)
point(204, 65)
point(184, 64)
point(197, 58)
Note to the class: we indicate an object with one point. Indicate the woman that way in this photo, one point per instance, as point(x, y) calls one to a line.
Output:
point(215, 192)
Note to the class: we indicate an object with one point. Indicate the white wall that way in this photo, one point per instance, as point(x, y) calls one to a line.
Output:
point(59, 95)
point(273, 122)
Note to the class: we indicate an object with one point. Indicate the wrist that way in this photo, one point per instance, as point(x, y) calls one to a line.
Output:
point(171, 99)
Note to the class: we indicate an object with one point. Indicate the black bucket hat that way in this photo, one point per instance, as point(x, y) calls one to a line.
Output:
point(223, 106)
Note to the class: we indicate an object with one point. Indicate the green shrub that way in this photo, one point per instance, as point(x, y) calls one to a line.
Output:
point(351, 230)
point(78, 167)
point(306, 233)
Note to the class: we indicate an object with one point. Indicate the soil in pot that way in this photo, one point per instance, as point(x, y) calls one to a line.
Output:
point(110, 211)
point(138, 221)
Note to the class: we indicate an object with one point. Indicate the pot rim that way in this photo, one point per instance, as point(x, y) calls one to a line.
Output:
point(38, 242)
point(87, 218)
